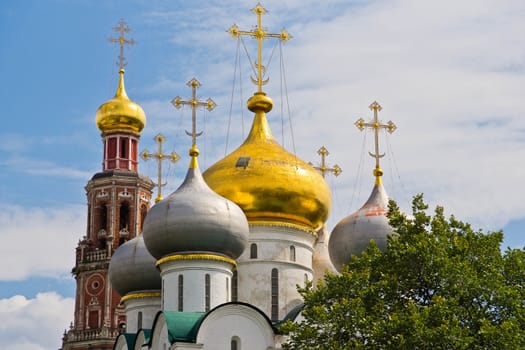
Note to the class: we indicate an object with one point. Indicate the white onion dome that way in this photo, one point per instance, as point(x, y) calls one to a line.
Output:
point(353, 234)
point(132, 268)
point(194, 219)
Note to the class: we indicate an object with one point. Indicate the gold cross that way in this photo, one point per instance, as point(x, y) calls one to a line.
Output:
point(376, 125)
point(194, 103)
point(259, 34)
point(323, 168)
point(122, 28)
point(173, 157)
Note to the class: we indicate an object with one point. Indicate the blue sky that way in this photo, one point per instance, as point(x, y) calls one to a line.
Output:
point(450, 75)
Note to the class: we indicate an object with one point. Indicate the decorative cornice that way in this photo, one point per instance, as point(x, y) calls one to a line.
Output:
point(268, 223)
point(212, 257)
point(140, 295)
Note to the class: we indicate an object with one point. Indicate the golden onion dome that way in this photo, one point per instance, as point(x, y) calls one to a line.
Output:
point(266, 181)
point(120, 113)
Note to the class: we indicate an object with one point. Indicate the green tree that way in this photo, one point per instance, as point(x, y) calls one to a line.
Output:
point(438, 285)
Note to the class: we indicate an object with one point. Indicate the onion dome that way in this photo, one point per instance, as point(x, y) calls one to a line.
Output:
point(132, 268)
point(268, 182)
point(353, 234)
point(321, 263)
point(194, 219)
point(120, 113)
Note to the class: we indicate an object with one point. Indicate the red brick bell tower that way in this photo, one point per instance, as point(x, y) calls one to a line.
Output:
point(118, 199)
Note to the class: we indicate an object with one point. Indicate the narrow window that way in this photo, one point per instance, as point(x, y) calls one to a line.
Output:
point(104, 217)
point(275, 295)
point(123, 148)
point(292, 253)
point(235, 343)
point(124, 216)
point(139, 320)
point(181, 290)
point(253, 251)
point(227, 289)
point(234, 286)
point(207, 292)
point(143, 212)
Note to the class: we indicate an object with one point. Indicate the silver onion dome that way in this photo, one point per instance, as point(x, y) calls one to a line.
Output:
point(132, 268)
point(194, 219)
point(352, 234)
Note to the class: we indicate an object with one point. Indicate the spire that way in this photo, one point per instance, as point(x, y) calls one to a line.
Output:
point(173, 157)
point(376, 125)
point(194, 84)
point(122, 28)
point(323, 168)
point(259, 34)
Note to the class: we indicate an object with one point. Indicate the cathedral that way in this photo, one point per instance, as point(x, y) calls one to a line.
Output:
point(215, 264)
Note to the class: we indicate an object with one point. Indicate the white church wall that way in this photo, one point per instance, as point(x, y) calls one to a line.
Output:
point(247, 326)
point(193, 274)
point(140, 313)
point(274, 252)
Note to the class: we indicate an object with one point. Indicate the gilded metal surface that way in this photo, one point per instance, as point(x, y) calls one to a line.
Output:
point(259, 34)
point(122, 29)
point(178, 102)
point(290, 225)
point(376, 125)
point(323, 168)
point(140, 296)
point(173, 157)
point(120, 113)
point(211, 257)
point(275, 185)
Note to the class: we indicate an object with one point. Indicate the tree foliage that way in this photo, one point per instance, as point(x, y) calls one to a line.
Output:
point(438, 285)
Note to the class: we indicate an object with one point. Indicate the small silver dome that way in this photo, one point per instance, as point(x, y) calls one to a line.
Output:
point(132, 268)
point(194, 219)
point(321, 262)
point(352, 235)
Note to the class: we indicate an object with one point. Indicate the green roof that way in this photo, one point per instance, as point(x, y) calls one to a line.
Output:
point(182, 326)
point(130, 340)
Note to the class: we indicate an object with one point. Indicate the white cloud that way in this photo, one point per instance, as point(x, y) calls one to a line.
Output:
point(34, 324)
point(43, 167)
point(39, 241)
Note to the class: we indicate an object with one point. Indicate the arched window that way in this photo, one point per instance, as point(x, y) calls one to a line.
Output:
point(234, 285)
point(104, 217)
point(124, 216)
point(292, 253)
point(181, 291)
point(275, 295)
point(235, 343)
point(139, 320)
point(143, 212)
point(227, 289)
point(123, 148)
point(207, 292)
point(253, 251)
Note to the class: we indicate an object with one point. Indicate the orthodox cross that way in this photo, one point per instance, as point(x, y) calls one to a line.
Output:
point(122, 28)
point(376, 125)
point(173, 157)
point(323, 168)
point(194, 103)
point(259, 34)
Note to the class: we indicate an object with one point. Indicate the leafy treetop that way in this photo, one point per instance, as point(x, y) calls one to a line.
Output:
point(438, 285)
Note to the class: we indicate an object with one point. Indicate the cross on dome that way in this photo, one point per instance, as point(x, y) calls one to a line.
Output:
point(159, 156)
point(122, 28)
point(194, 103)
point(323, 168)
point(259, 34)
point(376, 125)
